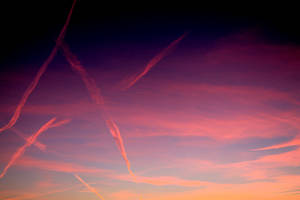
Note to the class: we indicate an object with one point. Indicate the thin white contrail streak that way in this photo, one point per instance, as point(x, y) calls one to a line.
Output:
point(90, 188)
point(130, 82)
point(39, 145)
point(41, 71)
point(96, 96)
point(28, 143)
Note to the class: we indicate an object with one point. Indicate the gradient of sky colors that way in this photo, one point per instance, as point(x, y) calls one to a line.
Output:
point(214, 116)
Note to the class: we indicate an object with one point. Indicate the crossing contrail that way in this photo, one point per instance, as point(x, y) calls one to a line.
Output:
point(28, 143)
point(90, 188)
point(39, 145)
point(130, 82)
point(39, 74)
point(96, 96)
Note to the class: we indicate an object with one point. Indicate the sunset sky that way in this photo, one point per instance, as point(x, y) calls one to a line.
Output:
point(155, 102)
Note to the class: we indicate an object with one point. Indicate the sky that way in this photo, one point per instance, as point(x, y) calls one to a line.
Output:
point(144, 102)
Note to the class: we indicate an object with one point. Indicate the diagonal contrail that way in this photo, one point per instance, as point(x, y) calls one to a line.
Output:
point(131, 81)
point(90, 188)
point(89, 82)
point(28, 143)
point(41, 71)
point(293, 142)
point(119, 141)
point(96, 96)
point(60, 123)
point(39, 145)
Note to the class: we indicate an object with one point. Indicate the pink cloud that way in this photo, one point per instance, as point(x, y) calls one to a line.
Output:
point(165, 180)
point(58, 166)
point(125, 195)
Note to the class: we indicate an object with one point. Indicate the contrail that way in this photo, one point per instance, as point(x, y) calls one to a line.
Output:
point(96, 96)
point(88, 186)
point(28, 143)
point(130, 82)
point(119, 141)
point(39, 145)
point(294, 142)
point(89, 82)
point(60, 123)
point(39, 74)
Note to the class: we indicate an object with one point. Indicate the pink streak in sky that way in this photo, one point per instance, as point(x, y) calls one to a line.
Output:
point(97, 97)
point(119, 141)
point(39, 145)
point(294, 142)
point(41, 71)
point(90, 188)
point(129, 83)
point(60, 123)
point(89, 82)
point(28, 143)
